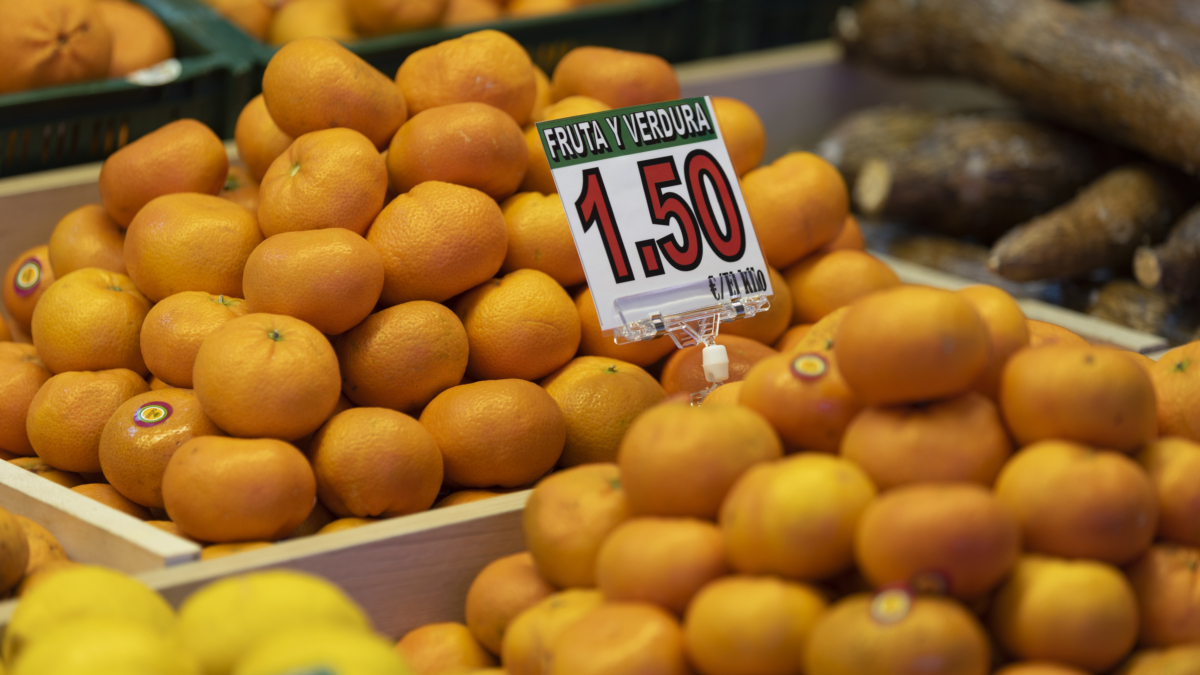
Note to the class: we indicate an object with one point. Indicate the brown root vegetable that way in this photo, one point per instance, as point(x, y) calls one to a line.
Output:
point(969, 261)
point(1124, 302)
point(879, 132)
point(979, 175)
point(1181, 40)
point(1175, 12)
point(1101, 227)
point(1080, 68)
point(1174, 265)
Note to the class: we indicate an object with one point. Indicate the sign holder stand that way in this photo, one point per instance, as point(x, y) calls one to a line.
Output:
point(692, 328)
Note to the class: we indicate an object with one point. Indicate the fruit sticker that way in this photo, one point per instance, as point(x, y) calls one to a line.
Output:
point(891, 605)
point(655, 210)
point(152, 414)
point(809, 366)
point(930, 583)
point(28, 277)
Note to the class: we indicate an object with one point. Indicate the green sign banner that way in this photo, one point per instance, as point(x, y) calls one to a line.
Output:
point(627, 131)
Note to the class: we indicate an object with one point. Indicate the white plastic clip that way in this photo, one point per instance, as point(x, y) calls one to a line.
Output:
point(716, 363)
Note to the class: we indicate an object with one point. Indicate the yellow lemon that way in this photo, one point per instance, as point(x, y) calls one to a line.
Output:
point(84, 592)
point(324, 651)
point(222, 622)
point(100, 646)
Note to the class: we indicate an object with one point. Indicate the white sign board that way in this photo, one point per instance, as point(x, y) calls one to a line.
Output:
point(655, 209)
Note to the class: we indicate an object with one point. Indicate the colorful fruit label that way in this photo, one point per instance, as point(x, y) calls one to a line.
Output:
point(655, 209)
point(891, 605)
point(152, 414)
point(29, 275)
point(809, 366)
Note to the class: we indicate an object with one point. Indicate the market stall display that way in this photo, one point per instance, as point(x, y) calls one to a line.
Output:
point(355, 355)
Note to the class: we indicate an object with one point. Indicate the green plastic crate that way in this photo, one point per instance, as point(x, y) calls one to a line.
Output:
point(668, 28)
point(735, 26)
point(53, 127)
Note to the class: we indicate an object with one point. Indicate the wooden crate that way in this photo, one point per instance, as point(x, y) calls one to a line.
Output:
point(414, 570)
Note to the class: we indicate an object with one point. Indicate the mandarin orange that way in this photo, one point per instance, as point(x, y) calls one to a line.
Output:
point(521, 325)
point(67, 416)
point(267, 375)
point(327, 178)
point(617, 78)
point(954, 439)
point(175, 328)
point(1081, 613)
point(798, 204)
point(1077, 502)
point(894, 633)
point(539, 238)
point(952, 538)
point(226, 490)
point(742, 131)
point(684, 373)
point(1093, 395)
point(242, 189)
point(190, 242)
point(259, 140)
point(678, 460)
point(497, 432)
point(403, 356)
point(1171, 463)
point(471, 144)
point(52, 42)
point(141, 437)
point(438, 240)
point(90, 319)
point(298, 19)
point(499, 593)
point(664, 561)
point(182, 156)
point(380, 17)
point(741, 624)
point(1008, 331)
point(568, 516)
point(1176, 379)
point(108, 495)
point(375, 462)
point(87, 237)
point(600, 398)
point(824, 282)
point(910, 344)
point(315, 83)
point(446, 647)
point(21, 376)
point(621, 637)
point(139, 38)
point(330, 279)
point(795, 517)
point(27, 277)
point(485, 67)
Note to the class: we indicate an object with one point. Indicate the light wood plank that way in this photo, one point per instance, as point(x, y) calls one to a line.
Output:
point(90, 531)
point(405, 572)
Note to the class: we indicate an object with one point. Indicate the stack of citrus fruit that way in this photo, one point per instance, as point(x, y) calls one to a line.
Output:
point(902, 534)
point(366, 316)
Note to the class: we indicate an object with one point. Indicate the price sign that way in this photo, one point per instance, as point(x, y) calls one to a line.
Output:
point(655, 209)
